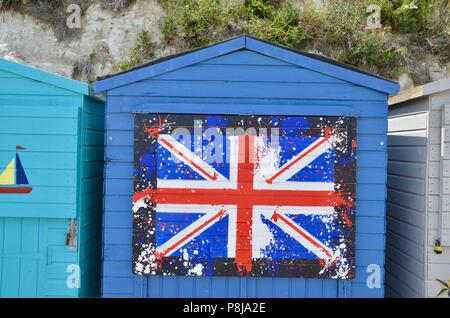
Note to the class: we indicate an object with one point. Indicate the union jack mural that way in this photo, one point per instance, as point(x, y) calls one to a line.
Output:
point(227, 195)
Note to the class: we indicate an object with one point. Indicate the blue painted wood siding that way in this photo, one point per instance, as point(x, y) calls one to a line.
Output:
point(243, 79)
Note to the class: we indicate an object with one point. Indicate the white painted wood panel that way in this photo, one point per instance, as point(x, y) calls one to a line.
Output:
point(408, 123)
point(406, 204)
point(404, 207)
point(444, 217)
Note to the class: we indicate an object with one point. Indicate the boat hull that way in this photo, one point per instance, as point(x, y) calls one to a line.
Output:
point(15, 190)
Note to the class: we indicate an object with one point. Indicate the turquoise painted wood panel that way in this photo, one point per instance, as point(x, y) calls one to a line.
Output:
point(40, 111)
point(27, 86)
point(57, 259)
point(91, 180)
point(5, 74)
point(38, 101)
point(40, 77)
point(48, 138)
point(40, 143)
point(46, 114)
point(33, 258)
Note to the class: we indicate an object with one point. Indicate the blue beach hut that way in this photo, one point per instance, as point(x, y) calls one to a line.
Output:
point(172, 230)
point(51, 172)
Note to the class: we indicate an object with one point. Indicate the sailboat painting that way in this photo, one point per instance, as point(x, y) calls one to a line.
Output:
point(13, 179)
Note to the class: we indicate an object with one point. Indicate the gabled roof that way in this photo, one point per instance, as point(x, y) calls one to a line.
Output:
point(310, 61)
point(46, 77)
point(421, 91)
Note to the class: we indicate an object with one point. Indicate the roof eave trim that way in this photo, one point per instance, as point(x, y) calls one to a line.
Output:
point(252, 44)
point(322, 67)
point(46, 77)
point(170, 65)
point(436, 87)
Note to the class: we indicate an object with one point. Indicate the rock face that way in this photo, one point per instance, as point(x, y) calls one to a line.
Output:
point(106, 37)
point(437, 72)
point(314, 3)
point(405, 81)
point(26, 40)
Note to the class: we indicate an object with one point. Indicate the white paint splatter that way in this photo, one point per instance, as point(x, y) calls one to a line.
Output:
point(268, 158)
point(139, 204)
point(197, 270)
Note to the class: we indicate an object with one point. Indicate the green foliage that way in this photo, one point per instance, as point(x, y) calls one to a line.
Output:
point(411, 15)
point(345, 28)
point(142, 52)
point(197, 22)
point(281, 26)
point(411, 28)
point(341, 25)
point(200, 22)
point(261, 9)
point(12, 4)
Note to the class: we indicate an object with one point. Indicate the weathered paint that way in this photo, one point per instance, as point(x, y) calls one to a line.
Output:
point(235, 79)
point(60, 126)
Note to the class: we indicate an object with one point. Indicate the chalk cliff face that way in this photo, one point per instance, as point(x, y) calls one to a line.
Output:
point(106, 37)
point(108, 33)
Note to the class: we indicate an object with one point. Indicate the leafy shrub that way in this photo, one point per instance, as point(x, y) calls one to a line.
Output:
point(281, 26)
point(197, 22)
point(261, 9)
point(142, 52)
point(420, 16)
point(339, 29)
point(345, 27)
point(410, 16)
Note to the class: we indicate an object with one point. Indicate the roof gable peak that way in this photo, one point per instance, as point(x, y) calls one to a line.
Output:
point(45, 77)
point(313, 62)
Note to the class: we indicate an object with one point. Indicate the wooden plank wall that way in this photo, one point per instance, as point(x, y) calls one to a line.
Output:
point(406, 203)
point(91, 197)
point(43, 119)
point(33, 259)
point(438, 192)
point(243, 78)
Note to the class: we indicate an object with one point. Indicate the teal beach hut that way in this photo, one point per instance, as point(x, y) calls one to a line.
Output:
point(51, 170)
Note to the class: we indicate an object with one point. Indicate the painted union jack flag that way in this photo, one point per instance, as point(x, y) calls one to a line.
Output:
point(227, 195)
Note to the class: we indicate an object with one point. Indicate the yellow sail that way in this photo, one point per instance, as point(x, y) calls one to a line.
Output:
point(7, 176)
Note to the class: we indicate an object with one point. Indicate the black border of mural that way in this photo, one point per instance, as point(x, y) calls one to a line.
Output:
point(143, 221)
